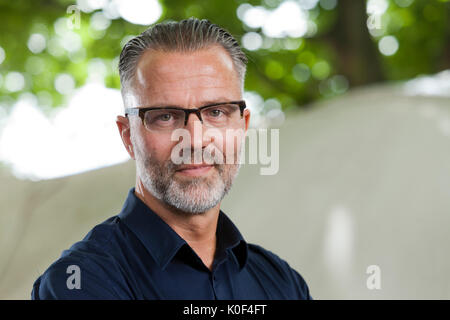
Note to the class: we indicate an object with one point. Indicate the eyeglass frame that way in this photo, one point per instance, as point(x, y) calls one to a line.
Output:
point(187, 112)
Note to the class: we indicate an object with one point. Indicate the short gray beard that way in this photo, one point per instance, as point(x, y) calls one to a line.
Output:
point(195, 195)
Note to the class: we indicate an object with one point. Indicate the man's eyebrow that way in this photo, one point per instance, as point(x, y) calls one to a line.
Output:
point(159, 106)
point(220, 100)
point(203, 103)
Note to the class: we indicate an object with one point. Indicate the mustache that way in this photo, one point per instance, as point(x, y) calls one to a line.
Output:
point(210, 155)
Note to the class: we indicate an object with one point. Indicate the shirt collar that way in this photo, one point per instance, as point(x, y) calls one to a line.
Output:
point(162, 242)
point(229, 237)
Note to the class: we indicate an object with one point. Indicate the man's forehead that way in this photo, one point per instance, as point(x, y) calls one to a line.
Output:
point(183, 65)
point(171, 77)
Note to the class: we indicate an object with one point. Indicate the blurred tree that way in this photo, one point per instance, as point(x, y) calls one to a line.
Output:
point(357, 55)
point(337, 48)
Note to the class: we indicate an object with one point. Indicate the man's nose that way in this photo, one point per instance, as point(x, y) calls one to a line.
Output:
point(196, 131)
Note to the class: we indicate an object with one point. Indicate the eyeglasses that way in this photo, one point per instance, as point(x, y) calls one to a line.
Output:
point(215, 115)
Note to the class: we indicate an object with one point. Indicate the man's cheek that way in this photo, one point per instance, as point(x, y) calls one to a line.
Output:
point(213, 154)
point(233, 142)
point(158, 149)
point(214, 151)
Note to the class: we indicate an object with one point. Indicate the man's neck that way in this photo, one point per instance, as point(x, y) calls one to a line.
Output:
point(198, 230)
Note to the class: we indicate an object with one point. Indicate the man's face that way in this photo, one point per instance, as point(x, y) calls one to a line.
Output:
point(187, 80)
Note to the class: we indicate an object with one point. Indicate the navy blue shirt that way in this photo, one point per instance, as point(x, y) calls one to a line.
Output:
point(136, 255)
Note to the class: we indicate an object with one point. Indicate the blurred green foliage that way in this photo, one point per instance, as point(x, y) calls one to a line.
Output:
point(337, 52)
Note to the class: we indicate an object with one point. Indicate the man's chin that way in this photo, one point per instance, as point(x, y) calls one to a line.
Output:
point(193, 199)
point(195, 184)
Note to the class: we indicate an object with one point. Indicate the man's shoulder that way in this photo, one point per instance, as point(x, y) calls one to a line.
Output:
point(262, 252)
point(83, 268)
point(100, 242)
point(258, 254)
point(265, 260)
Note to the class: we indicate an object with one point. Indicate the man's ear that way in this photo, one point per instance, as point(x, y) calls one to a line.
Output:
point(123, 124)
point(247, 118)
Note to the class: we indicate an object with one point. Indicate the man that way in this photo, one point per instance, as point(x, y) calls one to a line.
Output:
point(171, 240)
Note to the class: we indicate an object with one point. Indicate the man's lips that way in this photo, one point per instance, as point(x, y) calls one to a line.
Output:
point(194, 170)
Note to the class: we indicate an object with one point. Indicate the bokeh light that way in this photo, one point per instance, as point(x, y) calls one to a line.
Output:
point(307, 4)
point(252, 41)
point(301, 72)
point(320, 70)
point(289, 19)
point(64, 83)
point(34, 65)
point(37, 43)
point(139, 12)
point(404, 3)
point(2, 55)
point(99, 21)
point(328, 4)
point(14, 81)
point(388, 45)
point(377, 7)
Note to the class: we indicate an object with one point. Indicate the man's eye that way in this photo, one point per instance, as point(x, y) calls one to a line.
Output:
point(164, 117)
point(215, 113)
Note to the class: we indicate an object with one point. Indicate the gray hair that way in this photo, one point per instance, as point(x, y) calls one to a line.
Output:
point(184, 36)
